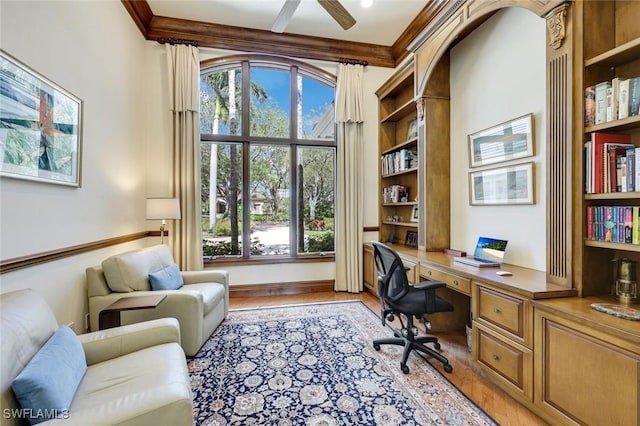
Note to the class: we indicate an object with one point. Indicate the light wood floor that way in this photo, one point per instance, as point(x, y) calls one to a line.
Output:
point(467, 377)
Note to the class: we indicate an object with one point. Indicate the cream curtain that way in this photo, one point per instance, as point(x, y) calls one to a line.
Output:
point(349, 200)
point(183, 65)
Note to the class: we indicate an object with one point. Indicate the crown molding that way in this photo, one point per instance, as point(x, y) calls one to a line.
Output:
point(229, 37)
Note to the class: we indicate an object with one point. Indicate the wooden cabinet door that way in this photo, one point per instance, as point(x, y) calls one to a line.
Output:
point(582, 378)
point(369, 275)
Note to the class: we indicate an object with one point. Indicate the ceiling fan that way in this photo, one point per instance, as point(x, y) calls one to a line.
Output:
point(333, 7)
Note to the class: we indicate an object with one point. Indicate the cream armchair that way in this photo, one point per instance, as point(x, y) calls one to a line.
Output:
point(200, 305)
point(133, 375)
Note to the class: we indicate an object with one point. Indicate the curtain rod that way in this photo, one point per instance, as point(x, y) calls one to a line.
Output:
point(353, 62)
point(170, 40)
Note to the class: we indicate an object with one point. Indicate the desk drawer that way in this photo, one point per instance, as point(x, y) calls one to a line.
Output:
point(510, 363)
point(454, 282)
point(502, 310)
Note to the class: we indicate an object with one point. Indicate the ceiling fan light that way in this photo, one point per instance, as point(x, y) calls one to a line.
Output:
point(366, 3)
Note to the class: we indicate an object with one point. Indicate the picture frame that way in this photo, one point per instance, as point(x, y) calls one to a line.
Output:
point(412, 129)
point(40, 127)
point(414, 214)
point(502, 185)
point(507, 141)
point(411, 239)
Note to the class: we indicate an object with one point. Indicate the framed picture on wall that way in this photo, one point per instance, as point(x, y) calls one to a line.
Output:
point(506, 141)
point(502, 185)
point(40, 127)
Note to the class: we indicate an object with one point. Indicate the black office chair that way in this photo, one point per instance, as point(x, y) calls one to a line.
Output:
point(399, 298)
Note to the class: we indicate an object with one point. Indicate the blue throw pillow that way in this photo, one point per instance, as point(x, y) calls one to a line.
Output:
point(47, 385)
point(168, 278)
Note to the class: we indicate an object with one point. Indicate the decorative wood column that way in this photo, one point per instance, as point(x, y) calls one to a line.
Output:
point(559, 144)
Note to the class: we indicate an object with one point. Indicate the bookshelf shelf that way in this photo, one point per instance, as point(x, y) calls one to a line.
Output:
point(406, 144)
point(613, 196)
point(401, 172)
point(624, 124)
point(406, 224)
point(613, 246)
point(406, 108)
point(620, 55)
point(408, 203)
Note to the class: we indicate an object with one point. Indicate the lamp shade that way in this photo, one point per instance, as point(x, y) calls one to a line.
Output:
point(163, 208)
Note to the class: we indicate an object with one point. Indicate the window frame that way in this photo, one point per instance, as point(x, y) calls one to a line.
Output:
point(245, 140)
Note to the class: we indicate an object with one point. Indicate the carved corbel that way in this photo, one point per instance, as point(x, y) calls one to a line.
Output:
point(556, 24)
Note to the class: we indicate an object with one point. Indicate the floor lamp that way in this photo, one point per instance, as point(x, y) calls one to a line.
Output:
point(163, 209)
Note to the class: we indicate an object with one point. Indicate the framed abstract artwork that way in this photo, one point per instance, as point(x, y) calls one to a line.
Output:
point(502, 185)
point(40, 127)
point(507, 141)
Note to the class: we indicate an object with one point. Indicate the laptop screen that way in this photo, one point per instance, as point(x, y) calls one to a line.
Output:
point(490, 249)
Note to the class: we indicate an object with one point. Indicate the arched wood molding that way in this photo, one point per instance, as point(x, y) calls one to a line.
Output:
point(457, 20)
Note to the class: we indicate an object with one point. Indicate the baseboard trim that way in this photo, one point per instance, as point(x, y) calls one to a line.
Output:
point(280, 289)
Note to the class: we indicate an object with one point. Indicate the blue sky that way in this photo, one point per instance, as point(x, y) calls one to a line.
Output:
point(315, 96)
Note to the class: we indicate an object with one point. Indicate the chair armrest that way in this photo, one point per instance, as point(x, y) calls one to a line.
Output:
point(114, 342)
point(429, 285)
point(210, 275)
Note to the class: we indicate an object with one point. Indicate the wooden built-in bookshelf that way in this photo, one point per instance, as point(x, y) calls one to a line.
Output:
point(610, 48)
point(430, 144)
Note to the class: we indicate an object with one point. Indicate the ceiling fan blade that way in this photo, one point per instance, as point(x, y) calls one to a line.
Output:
point(338, 12)
point(282, 20)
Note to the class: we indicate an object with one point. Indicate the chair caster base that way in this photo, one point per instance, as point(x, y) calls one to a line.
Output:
point(448, 368)
point(404, 368)
point(376, 346)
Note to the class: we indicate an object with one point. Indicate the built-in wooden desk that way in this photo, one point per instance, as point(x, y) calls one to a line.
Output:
point(539, 341)
point(524, 282)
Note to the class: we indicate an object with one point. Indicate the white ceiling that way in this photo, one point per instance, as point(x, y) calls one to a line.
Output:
point(382, 23)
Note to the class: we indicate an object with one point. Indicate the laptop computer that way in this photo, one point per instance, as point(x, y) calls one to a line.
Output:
point(489, 252)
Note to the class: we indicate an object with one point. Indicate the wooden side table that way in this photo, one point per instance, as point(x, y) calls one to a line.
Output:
point(109, 317)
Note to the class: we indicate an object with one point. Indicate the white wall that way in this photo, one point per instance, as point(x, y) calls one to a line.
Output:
point(498, 73)
point(95, 51)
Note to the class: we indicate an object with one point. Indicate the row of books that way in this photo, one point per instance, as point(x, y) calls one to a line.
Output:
point(395, 194)
point(398, 161)
point(611, 100)
point(616, 224)
point(612, 164)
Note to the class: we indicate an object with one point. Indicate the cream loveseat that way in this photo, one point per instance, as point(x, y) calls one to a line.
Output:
point(131, 375)
point(200, 305)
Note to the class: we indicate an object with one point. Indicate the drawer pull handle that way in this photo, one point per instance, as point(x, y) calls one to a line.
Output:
point(429, 273)
point(496, 310)
point(495, 357)
point(455, 282)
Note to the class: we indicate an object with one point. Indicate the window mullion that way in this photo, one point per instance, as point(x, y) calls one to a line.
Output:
point(246, 176)
point(293, 190)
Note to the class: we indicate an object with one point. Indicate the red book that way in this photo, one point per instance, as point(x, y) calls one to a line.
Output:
point(615, 152)
point(590, 222)
point(599, 139)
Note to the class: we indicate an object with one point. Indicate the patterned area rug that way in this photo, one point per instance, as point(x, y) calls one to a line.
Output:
point(315, 365)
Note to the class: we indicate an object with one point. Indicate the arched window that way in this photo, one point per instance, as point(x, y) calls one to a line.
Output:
point(268, 155)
